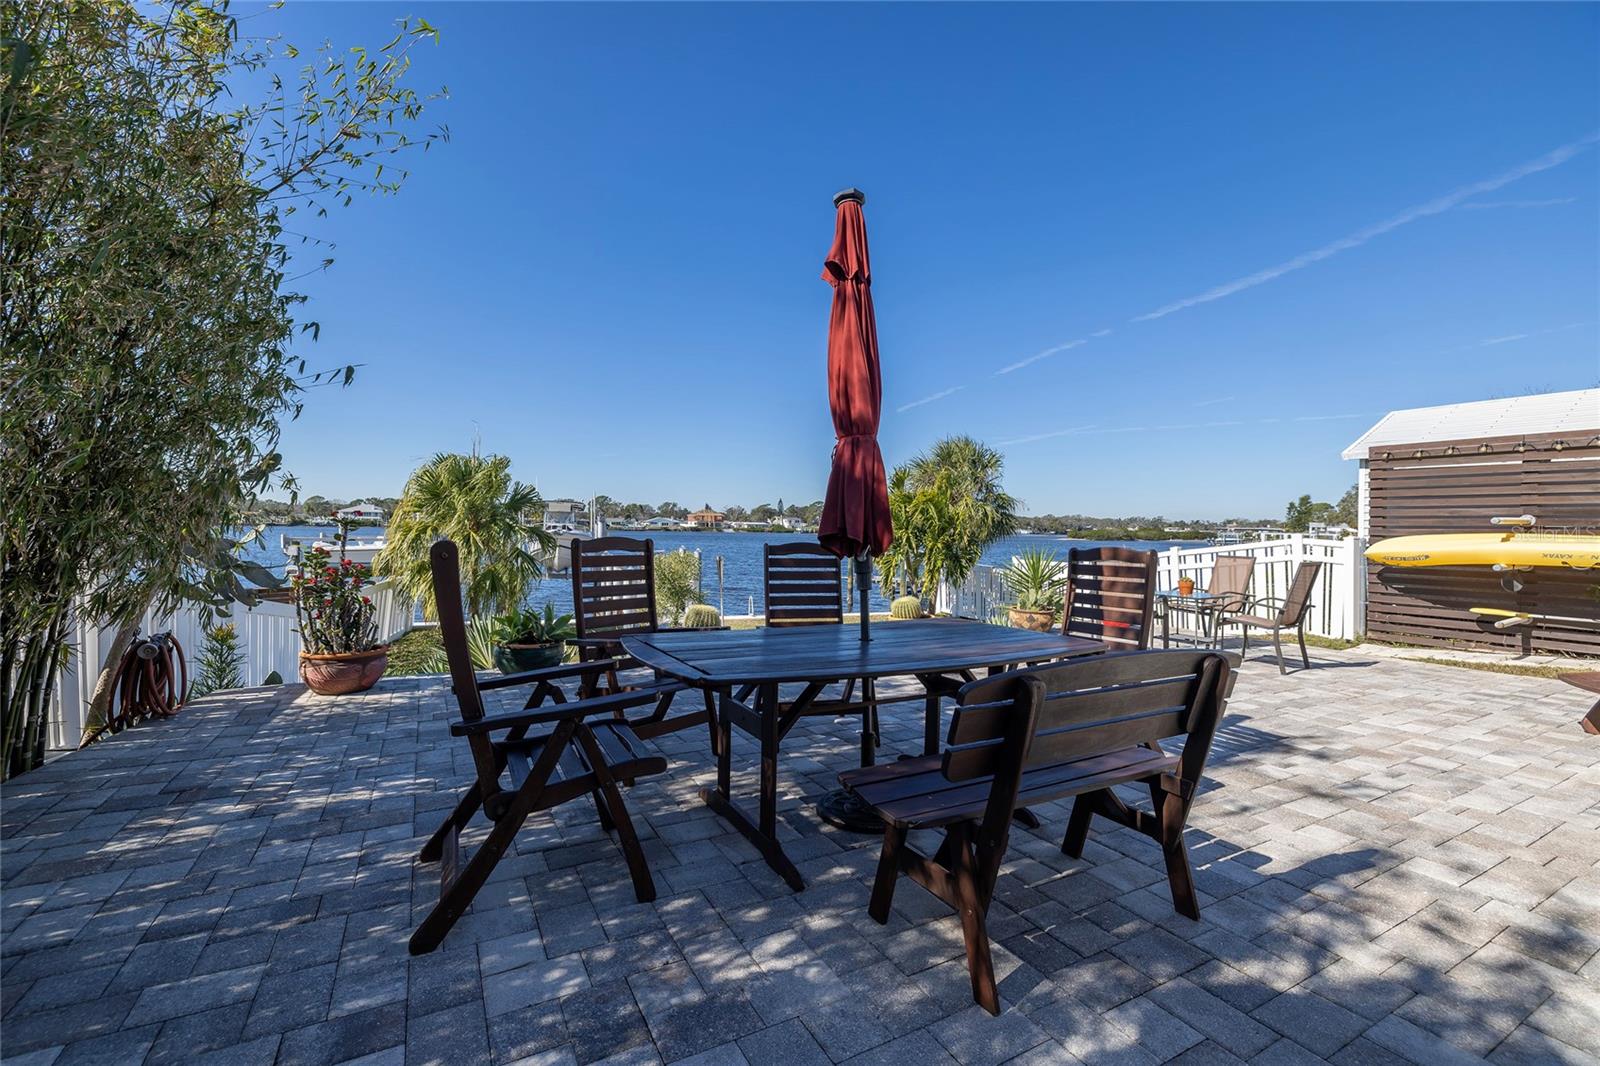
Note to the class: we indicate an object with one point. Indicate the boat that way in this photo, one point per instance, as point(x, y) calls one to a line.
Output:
point(1510, 550)
point(356, 549)
point(559, 560)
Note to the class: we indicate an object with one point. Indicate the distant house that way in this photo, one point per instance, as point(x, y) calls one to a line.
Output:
point(661, 522)
point(359, 512)
point(706, 518)
point(1330, 530)
point(790, 522)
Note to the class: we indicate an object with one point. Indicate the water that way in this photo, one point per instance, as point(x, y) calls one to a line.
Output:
point(740, 591)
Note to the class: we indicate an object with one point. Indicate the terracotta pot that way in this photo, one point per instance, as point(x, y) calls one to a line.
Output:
point(1037, 621)
point(342, 673)
point(515, 658)
point(1186, 586)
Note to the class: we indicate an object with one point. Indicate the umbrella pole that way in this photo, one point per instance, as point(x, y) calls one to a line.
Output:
point(864, 584)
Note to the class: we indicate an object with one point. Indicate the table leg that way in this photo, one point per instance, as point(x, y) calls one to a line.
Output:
point(869, 721)
point(724, 749)
point(930, 724)
point(762, 831)
point(767, 708)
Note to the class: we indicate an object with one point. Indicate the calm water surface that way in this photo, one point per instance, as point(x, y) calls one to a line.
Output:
point(739, 591)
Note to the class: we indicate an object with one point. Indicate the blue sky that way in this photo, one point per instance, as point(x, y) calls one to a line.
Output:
point(1170, 258)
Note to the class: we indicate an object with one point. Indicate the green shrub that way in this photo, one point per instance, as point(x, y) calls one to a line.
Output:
point(701, 616)
point(905, 607)
point(221, 660)
point(677, 585)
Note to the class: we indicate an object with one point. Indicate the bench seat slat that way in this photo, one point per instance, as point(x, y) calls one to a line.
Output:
point(914, 793)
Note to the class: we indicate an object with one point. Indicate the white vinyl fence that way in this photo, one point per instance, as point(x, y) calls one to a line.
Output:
point(267, 637)
point(1337, 602)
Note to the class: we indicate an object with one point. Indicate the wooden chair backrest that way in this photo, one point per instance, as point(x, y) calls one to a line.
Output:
point(1110, 592)
point(1230, 576)
point(802, 585)
point(1089, 707)
point(1299, 596)
point(613, 586)
point(445, 560)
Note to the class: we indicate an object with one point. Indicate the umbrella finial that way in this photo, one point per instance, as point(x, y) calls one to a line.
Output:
point(851, 193)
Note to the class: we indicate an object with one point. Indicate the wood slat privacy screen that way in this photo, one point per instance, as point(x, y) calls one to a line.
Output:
point(1456, 487)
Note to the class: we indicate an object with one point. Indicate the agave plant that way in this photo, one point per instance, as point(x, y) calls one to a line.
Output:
point(482, 636)
point(528, 625)
point(1037, 578)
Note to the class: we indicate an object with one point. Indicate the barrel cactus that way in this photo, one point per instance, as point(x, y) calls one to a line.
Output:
point(701, 616)
point(905, 607)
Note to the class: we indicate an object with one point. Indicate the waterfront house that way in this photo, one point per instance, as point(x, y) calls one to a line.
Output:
point(706, 518)
point(661, 522)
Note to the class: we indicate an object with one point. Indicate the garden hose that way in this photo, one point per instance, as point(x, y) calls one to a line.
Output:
point(152, 681)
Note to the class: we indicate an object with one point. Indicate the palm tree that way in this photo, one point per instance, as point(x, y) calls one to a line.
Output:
point(947, 506)
point(494, 520)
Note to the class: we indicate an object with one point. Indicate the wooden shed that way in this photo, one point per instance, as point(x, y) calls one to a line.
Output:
point(1450, 469)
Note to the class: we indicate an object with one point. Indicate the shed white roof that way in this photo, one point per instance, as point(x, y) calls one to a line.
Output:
point(1549, 412)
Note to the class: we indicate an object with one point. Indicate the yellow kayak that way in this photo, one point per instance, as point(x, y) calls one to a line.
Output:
point(1488, 549)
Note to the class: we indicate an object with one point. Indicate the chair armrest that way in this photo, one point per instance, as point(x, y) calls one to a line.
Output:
point(550, 673)
point(581, 709)
point(594, 642)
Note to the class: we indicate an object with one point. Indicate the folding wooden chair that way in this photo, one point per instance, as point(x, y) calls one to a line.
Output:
point(613, 596)
point(802, 587)
point(1038, 734)
point(518, 774)
point(1110, 596)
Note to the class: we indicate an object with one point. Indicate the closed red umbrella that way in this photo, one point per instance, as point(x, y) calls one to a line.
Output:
point(855, 513)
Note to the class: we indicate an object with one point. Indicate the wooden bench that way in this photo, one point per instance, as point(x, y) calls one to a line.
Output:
point(1589, 682)
point(1040, 734)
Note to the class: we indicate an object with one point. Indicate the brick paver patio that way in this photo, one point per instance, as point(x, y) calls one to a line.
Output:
point(1398, 862)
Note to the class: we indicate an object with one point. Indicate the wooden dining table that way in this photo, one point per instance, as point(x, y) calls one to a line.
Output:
point(732, 663)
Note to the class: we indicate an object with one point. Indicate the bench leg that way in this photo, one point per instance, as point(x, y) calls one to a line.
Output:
point(1176, 854)
point(888, 874)
point(1078, 825)
point(974, 931)
point(456, 819)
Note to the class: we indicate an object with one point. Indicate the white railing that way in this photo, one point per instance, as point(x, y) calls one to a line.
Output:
point(1337, 602)
point(268, 639)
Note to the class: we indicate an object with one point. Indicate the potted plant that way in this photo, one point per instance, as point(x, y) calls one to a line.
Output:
point(1038, 580)
point(529, 639)
point(1186, 586)
point(340, 652)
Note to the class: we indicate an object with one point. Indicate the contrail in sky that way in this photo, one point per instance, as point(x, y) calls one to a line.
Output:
point(1362, 236)
point(930, 399)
